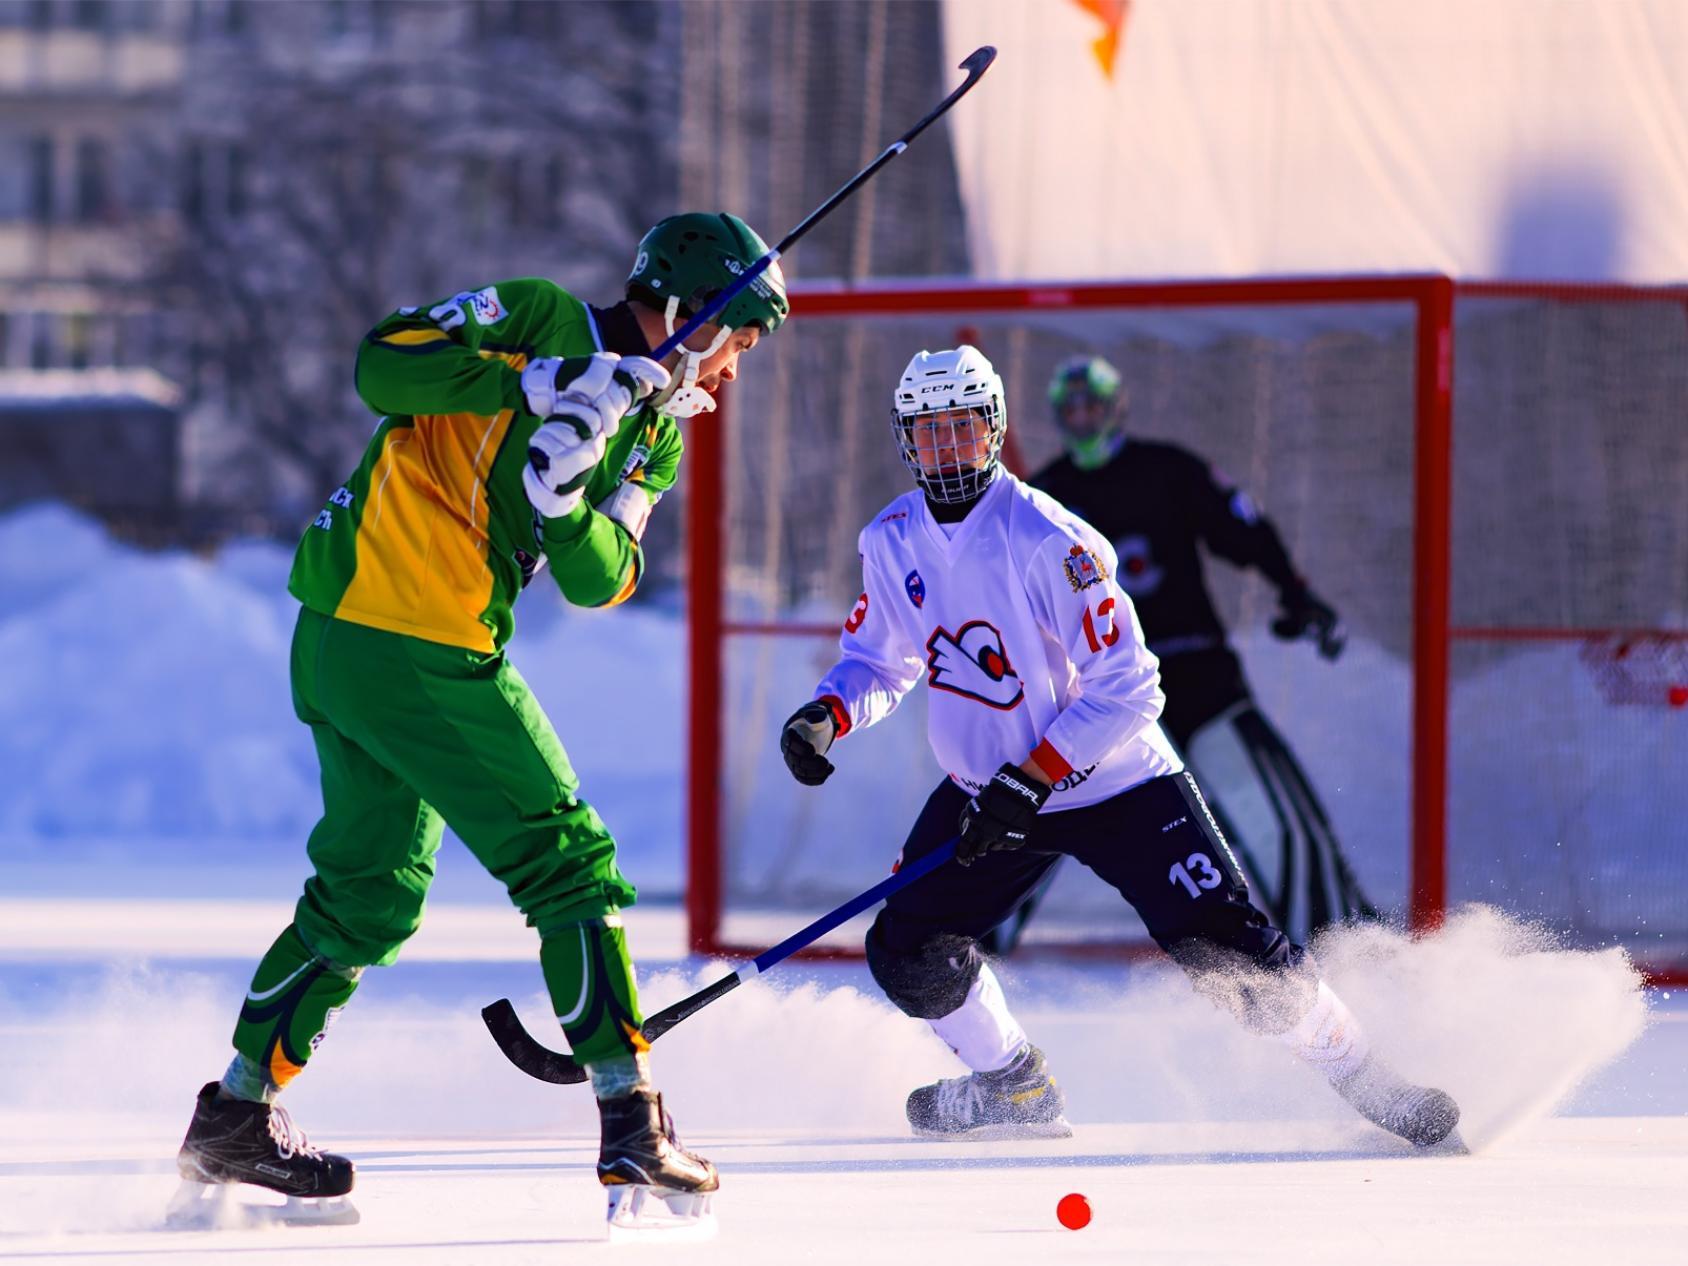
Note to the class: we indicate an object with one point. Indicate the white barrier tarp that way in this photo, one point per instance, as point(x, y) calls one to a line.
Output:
point(1528, 139)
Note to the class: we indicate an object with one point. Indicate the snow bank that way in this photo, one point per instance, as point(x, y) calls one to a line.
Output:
point(148, 721)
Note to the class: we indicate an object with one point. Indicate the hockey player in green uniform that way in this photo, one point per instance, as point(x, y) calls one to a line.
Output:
point(521, 428)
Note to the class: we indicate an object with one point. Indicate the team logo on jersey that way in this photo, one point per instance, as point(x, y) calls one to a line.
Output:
point(973, 663)
point(1083, 568)
point(915, 587)
point(486, 307)
point(634, 466)
point(1139, 574)
point(483, 305)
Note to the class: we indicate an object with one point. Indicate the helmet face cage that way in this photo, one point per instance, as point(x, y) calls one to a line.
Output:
point(949, 420)
point(953, 453)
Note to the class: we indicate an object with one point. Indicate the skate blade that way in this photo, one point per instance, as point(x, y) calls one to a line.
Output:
point(199, 1206)
point(1003, 1132)
point(641, 1214)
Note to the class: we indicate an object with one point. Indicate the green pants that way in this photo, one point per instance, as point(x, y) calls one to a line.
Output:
point(411, 734)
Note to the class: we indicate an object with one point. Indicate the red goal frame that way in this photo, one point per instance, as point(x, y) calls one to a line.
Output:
point(1432, 297)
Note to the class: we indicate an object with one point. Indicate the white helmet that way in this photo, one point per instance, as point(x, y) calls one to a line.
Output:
point(951, 456)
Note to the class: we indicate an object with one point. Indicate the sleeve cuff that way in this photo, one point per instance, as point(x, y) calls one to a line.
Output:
point(1052, 763)
point(840, 715)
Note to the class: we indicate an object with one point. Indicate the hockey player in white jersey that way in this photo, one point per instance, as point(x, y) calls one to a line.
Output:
point(1042, 708)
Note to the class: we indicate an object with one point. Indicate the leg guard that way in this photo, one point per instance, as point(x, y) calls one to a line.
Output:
point(295, 996)
point(590, 979)
point(928, 980)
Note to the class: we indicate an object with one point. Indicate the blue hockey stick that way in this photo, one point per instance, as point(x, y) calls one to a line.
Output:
point(975, 64)
point(540, 1061)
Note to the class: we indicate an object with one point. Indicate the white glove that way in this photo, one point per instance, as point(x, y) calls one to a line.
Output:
point(561, 457)
point(605, 383)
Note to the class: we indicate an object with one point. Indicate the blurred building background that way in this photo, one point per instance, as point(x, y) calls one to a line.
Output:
point(205, 203)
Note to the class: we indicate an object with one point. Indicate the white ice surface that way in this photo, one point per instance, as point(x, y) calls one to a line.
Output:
point(1575, 1190)
point(1195, 1142)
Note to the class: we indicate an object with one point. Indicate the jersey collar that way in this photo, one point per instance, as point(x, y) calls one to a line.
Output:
point(617, 330)
point(950, 547)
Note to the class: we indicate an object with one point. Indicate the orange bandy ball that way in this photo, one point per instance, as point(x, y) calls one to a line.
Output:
point(1073, 1211)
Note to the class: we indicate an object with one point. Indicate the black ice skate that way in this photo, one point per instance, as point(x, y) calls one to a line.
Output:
point(1017, 1102)
point(231, 1142)
point(1422, 1116)
point(654, 1184)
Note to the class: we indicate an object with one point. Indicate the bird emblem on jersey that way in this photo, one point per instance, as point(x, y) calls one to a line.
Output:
point(1083, 568)
point(973, 663)
point(915, 587)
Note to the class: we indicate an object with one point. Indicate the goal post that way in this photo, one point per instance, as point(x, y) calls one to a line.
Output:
point(1332, 400)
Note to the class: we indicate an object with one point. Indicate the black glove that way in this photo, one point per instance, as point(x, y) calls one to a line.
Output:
point(804, 741)
point(1302, 614)
point(1001, 815)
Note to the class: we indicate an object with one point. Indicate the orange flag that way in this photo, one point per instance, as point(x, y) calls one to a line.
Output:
point(1112, 14)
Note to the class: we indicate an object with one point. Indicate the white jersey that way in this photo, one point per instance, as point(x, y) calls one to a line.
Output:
point(1029, 646)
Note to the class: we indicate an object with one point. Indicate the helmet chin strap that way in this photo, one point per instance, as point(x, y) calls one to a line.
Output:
point(683, 398)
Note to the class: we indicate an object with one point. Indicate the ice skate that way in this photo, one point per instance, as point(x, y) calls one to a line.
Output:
point(232, 1143)
point(1423, 1116)
point(657, 1189)
point(1017, 1102)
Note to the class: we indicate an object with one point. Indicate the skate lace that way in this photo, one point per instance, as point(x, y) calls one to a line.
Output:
point(290, 1140)
point(960, 1099)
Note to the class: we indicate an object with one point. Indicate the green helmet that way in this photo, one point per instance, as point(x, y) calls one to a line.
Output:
point(1090, 406)
point(697, 255)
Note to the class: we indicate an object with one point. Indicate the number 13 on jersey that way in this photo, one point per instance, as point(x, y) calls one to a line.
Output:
point(1110, 630)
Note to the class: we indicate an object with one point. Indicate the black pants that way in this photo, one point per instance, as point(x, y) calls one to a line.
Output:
point(1303, 880)
point(1156, 843)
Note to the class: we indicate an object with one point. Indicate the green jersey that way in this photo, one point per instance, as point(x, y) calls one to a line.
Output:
point(433, 535)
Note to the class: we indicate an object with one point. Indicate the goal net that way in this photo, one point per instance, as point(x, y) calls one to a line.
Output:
point(1446, 743)
point(1567, 728)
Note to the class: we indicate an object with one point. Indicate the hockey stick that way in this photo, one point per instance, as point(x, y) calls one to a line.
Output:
point(539, 1061)
point(975, 64)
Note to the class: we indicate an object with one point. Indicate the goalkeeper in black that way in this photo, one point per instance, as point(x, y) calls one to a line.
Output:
point(1159, 504)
